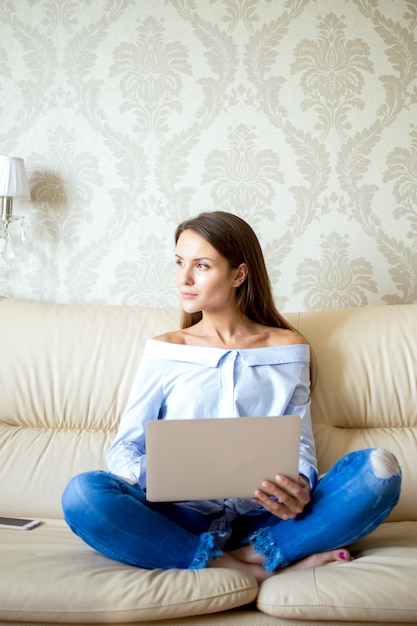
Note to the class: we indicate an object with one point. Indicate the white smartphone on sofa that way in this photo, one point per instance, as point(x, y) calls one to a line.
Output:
point(18, 523)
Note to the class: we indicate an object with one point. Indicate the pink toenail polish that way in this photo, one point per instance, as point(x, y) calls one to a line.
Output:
point(342, 556)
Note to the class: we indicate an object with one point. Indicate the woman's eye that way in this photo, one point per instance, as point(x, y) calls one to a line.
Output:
point(202, 266)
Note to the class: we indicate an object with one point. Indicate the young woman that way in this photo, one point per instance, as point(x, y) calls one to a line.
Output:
point(235, 355)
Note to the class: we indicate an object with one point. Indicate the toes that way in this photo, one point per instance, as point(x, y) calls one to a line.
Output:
point(343, 555)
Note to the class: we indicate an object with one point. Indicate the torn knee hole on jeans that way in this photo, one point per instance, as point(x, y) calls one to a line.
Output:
point(384, 463)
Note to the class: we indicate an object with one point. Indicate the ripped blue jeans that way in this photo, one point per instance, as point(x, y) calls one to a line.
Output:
point(348, 502)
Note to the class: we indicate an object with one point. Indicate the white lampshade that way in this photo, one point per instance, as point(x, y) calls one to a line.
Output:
point(13, 178)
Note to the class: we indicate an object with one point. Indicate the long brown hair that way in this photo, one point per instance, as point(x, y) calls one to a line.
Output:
point(235, 240)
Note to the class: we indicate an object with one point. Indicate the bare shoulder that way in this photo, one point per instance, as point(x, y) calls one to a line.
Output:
point(286, 337)
point(173, 336)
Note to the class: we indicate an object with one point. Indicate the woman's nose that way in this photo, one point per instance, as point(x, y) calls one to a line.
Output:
point(186, 276)
point(187, 279)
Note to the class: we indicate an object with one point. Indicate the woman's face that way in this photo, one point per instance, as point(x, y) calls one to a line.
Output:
point(203, 277)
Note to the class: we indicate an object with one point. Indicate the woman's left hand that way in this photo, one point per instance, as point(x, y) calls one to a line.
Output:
point(292, 496)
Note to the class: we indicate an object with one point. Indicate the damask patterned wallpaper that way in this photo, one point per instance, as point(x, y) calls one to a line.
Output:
point(131, 115)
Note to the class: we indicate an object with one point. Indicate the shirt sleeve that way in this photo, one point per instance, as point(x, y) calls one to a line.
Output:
point(300, 405)
point(126, 456)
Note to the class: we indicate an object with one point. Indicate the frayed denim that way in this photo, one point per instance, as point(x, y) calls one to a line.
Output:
point(114, 518)
point(349, 502)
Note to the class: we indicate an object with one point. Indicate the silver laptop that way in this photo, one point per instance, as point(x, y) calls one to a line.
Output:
point(207, 459)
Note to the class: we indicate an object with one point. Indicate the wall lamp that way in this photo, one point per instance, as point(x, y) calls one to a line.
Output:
point(13, 184)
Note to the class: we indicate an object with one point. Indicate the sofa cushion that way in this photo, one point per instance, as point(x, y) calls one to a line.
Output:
point(80, 585)
point(376, 586)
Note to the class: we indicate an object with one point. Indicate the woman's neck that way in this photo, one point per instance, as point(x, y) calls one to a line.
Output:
point(224, 331)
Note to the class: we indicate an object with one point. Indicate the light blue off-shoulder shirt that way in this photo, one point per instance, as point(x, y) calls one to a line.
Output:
point(187, 382)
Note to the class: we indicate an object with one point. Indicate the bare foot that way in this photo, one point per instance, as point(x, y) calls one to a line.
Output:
point(247, 554)
point(229, 561)
point(247, 560)
point(318, 559)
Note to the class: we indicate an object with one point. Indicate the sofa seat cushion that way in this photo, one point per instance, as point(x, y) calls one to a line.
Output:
point(80, 585)
point(377, 586)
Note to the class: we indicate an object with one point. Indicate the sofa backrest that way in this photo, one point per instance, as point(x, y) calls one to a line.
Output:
point(66, 371)
point(366, 389)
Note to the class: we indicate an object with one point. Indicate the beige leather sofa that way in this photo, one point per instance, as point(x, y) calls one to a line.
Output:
point(65, 372)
